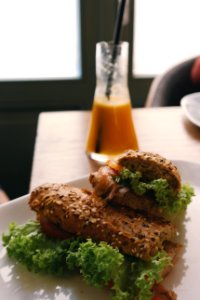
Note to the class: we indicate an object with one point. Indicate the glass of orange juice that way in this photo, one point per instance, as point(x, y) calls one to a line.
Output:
point(111, 129)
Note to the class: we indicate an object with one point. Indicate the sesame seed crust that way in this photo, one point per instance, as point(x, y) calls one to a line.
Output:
point(82, 213)
point(106, 187)
point(152, 166)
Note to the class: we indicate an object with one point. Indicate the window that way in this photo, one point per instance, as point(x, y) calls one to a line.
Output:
point(47, 57)
point(165, 32)
point(40, 39)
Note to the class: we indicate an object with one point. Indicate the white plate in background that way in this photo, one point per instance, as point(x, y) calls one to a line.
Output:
point(19, 284)
point(191, 107)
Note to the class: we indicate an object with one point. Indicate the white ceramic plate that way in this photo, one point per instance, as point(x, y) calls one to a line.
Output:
point(19, 284)
point(191, 107)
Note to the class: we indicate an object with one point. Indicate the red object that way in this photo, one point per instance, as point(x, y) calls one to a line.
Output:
point(114, 165)
point(161, 293)
point(195, 72)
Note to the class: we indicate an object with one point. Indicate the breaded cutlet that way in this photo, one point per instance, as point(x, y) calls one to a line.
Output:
point(107, 188)
point(152, 166)
point(84, 214)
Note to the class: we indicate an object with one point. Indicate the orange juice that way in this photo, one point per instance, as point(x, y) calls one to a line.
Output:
point(111, 129)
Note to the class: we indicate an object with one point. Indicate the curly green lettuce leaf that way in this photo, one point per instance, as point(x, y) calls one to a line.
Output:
point(30, 247)
point(99, 264)
point(102, 265)
point(149, 273)
point(170, 201)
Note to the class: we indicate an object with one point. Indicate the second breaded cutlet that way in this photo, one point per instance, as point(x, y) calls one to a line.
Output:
point(152, 166)
point(81, 213)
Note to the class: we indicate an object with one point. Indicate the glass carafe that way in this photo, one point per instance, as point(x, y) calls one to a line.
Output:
point(111, 128)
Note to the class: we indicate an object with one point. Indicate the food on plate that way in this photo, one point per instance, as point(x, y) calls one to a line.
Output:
point(143, 181)
point(127, 248)
point(111, 246)
point(100, 265)
point(82, 213)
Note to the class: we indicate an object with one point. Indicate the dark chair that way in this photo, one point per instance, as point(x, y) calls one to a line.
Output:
point(170, 87)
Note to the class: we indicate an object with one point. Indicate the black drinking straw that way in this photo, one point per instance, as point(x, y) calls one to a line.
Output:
point(116, 39)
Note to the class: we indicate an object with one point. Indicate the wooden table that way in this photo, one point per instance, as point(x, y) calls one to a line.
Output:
point(59, 154)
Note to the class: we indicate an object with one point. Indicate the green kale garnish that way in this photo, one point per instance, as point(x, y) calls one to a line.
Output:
point(166, 197)
point(99, 264)
point(149, 273)
point(29, 246)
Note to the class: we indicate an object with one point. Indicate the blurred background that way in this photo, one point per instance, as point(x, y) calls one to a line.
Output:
point(47, 62)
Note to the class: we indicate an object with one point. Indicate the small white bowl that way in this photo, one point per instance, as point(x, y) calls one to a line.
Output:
point(191, 107)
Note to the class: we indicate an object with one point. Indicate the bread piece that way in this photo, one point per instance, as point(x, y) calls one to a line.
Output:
point(83, 214)
point(152, 166)
point(105, 186)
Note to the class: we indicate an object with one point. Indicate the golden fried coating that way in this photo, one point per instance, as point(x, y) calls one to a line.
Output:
point(152, 166)
point(106, 187)
point(81, 213)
